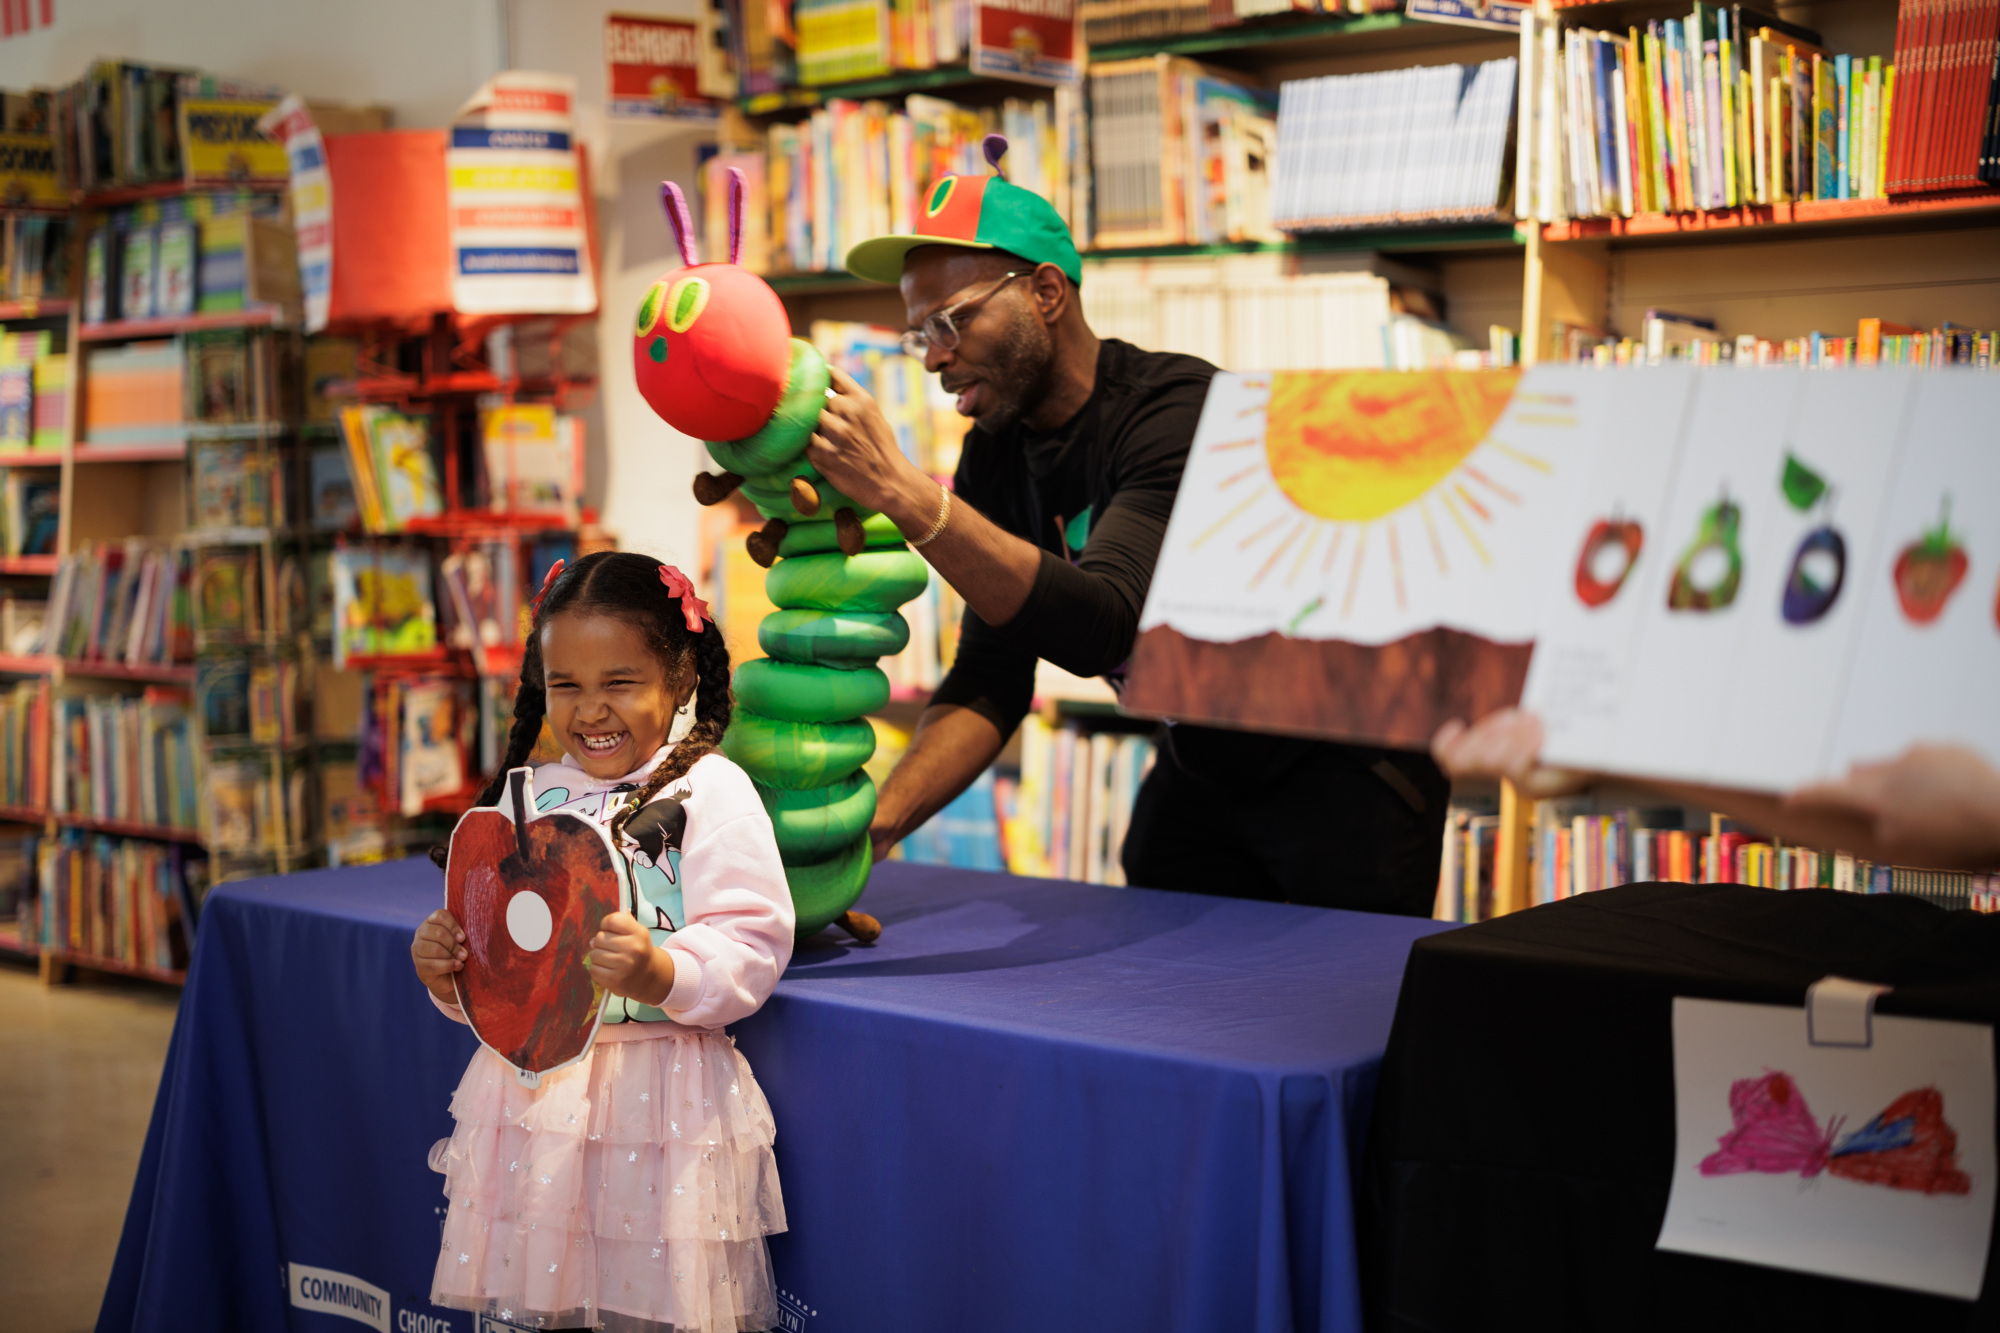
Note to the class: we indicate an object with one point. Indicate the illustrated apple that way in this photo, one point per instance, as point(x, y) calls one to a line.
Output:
point(529, 894)
point(1610, 550)
point(1929, 570)
point(1812, 588)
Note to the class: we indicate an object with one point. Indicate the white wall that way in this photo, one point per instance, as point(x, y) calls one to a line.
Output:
point(422, 59)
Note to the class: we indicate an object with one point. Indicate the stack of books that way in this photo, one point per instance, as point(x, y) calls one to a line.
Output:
point(133, 395)
point(1423, 145)
point(859, 169)
point(123, 899)
point(126, 758)
point(1180, 155)
point(196, 254)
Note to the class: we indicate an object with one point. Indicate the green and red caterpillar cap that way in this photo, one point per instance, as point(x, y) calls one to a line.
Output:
point(975, 213)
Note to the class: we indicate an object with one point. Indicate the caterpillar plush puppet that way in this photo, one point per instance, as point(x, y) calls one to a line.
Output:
point(715, 358)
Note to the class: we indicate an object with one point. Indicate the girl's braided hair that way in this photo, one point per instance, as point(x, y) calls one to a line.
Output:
point(628, 585)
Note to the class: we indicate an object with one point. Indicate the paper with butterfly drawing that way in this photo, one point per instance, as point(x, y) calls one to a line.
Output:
point(1875, 1164)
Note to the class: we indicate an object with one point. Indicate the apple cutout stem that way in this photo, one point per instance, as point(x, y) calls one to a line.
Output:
point(1929, 570)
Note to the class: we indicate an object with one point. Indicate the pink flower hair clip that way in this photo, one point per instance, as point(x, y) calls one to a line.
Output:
point(548, 581)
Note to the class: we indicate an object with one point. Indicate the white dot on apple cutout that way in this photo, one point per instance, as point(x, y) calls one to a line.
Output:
point(528, 920)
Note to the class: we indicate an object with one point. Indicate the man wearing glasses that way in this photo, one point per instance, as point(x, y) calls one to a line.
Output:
point(1050, 531)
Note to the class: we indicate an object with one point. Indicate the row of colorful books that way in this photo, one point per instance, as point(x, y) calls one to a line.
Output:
point(245, 698)
point(929, 430)
point(532, 456)
point(838, 40)
point(24, 746)
point(420, 736)
point(131, 602)
point(1574, 850)
point(34, 393)
point(1180, 154)
point(1394, 146)
point(129, 900)
point(159, 391)
point(259, 803)
point(124, 123)
point(859, 169)
point(126, 757)
point(1065, 815)
point(34, 257)
point(1668, 336)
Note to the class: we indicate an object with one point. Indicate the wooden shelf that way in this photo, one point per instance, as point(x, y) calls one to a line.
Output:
point(113, 196)
point(51, 307)
point(128, 829)
point(156, 673)
point(884, 85)
point(22, 814)
point(130, 453)
point(1497, 236)
point(15, 664)
point(31, 458)
point(96, 964)
point(460, 522)
point(1776, 221)
point(391, 388)
point(118, 329)
point(29, 564)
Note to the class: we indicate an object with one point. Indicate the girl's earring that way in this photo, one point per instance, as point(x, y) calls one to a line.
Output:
point(683, 721)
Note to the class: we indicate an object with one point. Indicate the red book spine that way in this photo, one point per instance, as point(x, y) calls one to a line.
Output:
point(1925, 105)
point(1944, 150)
point(1911, 23)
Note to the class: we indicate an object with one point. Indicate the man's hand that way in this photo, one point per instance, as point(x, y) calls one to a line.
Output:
point(1506, 744)
point(1936, 806)
point(624, 960)
point(437, 951)
point(854, 447)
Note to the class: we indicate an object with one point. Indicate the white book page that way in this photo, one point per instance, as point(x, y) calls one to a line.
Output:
point(1783, 1154)
point(1802, 577)
point(1927, 651)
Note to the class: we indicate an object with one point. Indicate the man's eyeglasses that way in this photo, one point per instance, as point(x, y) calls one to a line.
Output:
point(938, 330)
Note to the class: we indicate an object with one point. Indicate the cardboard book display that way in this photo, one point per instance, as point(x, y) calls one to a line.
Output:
point(529, 892)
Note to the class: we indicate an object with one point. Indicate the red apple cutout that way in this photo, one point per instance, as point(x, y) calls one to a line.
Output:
point(1929, 570)
point(1608, 535)
point(529, 894)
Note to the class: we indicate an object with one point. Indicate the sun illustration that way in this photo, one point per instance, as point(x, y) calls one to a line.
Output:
point(1357, 446)
point(1343, 472)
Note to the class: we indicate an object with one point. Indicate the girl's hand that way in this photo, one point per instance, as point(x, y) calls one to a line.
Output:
point(437, 951)
point(624, 961)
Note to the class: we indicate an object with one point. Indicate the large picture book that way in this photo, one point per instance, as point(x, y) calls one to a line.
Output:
point(1744, 578)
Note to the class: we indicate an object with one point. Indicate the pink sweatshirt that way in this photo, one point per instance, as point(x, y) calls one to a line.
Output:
point(710, 889)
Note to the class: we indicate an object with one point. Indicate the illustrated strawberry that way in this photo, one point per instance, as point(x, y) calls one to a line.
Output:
point(1929, 571)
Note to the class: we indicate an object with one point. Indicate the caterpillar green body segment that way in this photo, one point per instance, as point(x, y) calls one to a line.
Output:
point(871, 581)
point(814, 824)
point(776, 501)
point(832, 637)
point(783, 438)
point(811, 536)
point(823, 890)
point(807, 692)
point(797, 755)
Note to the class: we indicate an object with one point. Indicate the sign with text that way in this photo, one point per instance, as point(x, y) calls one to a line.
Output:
point(1031, 40)
point(653, 69)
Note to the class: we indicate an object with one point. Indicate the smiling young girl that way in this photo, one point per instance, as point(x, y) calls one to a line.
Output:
point(633, 1190)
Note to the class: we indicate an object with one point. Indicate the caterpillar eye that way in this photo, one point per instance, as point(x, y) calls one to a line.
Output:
point(685, 303)
point(650, 308)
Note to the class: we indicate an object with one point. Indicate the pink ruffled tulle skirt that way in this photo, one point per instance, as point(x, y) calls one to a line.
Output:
point(631, 1191)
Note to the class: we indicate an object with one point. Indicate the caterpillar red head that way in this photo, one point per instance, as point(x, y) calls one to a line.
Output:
point(712, 348)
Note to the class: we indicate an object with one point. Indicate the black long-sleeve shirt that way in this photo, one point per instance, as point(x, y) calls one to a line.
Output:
point(1094, 494)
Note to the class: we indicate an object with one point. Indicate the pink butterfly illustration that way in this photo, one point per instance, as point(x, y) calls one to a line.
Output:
point(1909, 1146)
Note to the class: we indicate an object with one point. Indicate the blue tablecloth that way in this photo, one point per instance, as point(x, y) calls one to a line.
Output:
point(1033, 1105)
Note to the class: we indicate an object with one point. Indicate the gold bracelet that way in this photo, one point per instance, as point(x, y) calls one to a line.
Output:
point(937, 528)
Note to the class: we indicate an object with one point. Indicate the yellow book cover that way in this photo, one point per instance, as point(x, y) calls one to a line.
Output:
point(221, 144)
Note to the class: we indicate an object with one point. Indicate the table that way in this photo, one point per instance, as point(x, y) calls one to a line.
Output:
point(1523, 1143)
point(1033, 1104)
